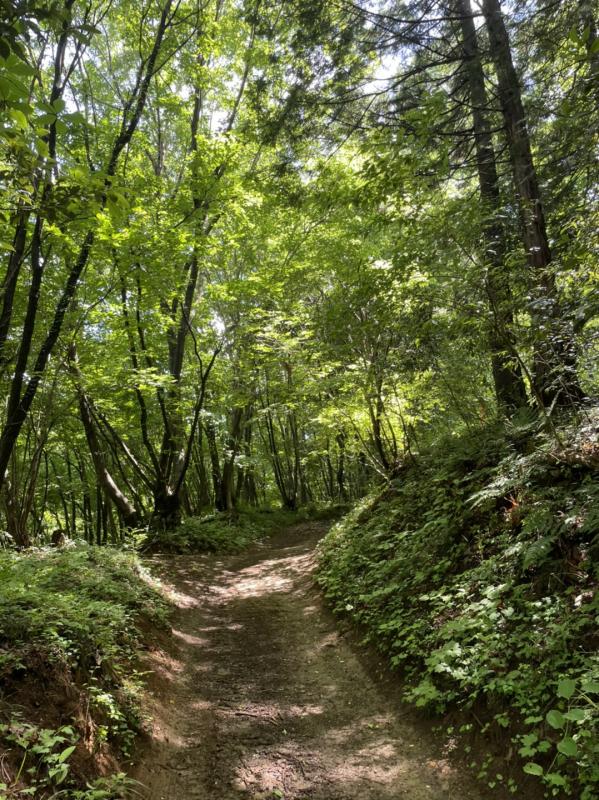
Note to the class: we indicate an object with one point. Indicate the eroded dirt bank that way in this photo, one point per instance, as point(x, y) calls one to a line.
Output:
point(263, 698)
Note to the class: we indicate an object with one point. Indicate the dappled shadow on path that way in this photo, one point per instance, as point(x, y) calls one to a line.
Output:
point(262, 698)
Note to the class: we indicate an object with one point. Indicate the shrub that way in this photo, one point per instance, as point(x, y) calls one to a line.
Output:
point(230, 532)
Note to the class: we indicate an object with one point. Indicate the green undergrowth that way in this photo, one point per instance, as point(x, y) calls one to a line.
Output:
point(476, 573)
point(71, 623)
point(231, 532)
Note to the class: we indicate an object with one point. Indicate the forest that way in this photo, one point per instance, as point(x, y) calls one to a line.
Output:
point(314, 274)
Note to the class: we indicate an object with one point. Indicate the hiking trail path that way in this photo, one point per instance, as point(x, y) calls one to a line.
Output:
point(261, 695)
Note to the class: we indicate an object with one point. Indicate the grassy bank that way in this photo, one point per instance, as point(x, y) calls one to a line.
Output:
point(71, 622)
point(476, 573)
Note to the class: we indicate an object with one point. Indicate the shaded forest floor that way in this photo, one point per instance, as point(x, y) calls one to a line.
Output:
point(261, 696)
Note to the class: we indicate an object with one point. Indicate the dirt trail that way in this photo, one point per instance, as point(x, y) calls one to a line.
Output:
point(262, 698)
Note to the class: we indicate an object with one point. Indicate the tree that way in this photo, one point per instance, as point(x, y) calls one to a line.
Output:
point(554, 369)
point(253, 257)
point(507, 373)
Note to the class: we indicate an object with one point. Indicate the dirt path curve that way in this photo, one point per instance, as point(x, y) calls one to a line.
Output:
point(262, 698)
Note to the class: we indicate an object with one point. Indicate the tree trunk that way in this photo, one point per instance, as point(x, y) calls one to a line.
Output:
point(554, 368)
point(203, 499)
point(10, 280)
point(341, 467)
point(214, 462)
point(510, 389)
point(105, 480)
point(167, 509)
point(17, 531)
point(227, 484)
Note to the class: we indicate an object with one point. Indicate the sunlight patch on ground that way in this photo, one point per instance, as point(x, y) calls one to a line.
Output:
point(267, 577)
point(189, 639)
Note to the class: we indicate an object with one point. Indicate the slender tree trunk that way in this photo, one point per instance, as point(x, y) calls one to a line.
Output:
point(175, 446)
point(249, 490)
point(18, 532)
point(105, 479)
point(302, 489)
point(10, 280)
point(214, 463)
point(98, 515)
point(328, 473)
point(554, 369)
point(105, 523)
point(510, 388)
point(203, 499)
point(73, 517)
point(341, 467)
point(287, 497)
point(227, 485)
point(377, 410)
point(87, 517)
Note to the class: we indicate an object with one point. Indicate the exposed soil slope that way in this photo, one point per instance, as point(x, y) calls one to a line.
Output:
point(263, 698)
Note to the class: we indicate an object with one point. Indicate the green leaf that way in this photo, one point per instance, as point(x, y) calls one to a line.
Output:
point(42, 148)
point(11, 89)
point(533, 769)
point(18, 117)
point(555, 779)
point(575, 714)
point(76, 118)
point(567, 746)
point(555, 718)
point(5, 89)
point(566, 688)
point(66, 753)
